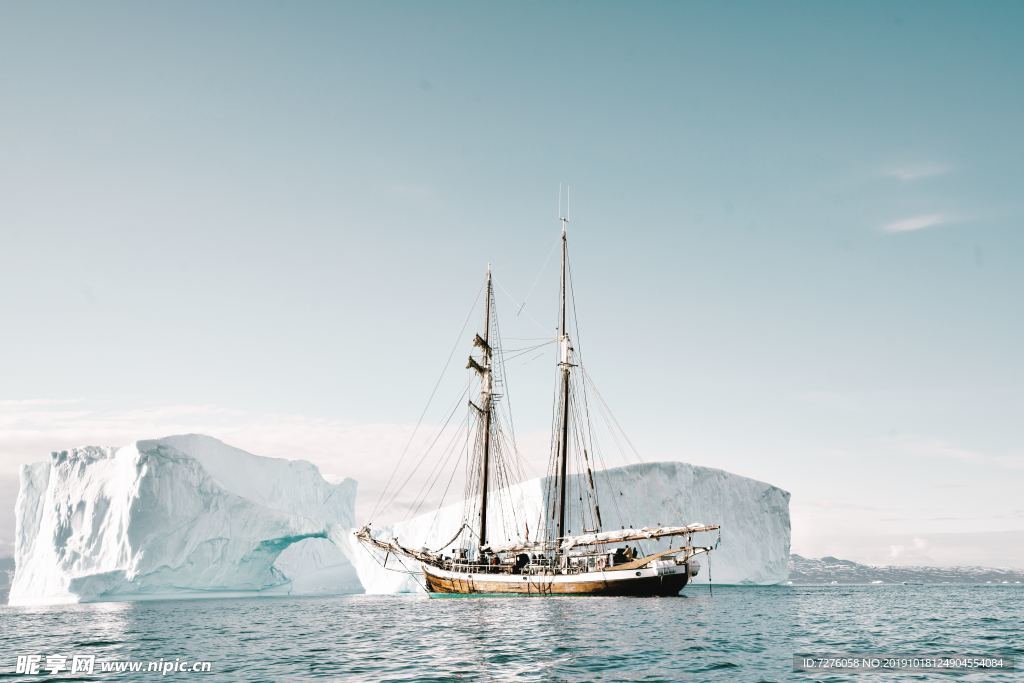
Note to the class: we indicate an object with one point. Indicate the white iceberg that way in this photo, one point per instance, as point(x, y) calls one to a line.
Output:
point(189, 516)
point(754, 516)
point(183, 516)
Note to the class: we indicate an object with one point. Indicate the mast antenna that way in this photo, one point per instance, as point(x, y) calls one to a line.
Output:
point(563, 217)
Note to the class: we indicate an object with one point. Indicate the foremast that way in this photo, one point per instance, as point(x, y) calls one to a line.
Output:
point(486, 407)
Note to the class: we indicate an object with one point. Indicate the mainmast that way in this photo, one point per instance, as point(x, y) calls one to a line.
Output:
point(565, 363)
point(485, 408)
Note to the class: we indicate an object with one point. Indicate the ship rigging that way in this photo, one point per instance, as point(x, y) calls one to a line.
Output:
point(570, 552)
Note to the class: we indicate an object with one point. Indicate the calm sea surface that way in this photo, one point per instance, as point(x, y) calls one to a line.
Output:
point(738, 634)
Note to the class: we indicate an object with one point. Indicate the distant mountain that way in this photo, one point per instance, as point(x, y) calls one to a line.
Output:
point(828, 570)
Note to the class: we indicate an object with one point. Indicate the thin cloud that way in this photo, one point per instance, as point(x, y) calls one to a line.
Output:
point(929, 220)
point(913, 172)
point(930, 447)
point(37, 402)
point(29, 431)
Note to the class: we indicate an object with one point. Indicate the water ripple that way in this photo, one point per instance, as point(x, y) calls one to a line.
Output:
point(746, 633)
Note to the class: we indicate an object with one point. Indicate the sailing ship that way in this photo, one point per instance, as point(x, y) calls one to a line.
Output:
point(557, 562)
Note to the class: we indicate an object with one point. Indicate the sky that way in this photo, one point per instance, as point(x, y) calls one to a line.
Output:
point(796, 238)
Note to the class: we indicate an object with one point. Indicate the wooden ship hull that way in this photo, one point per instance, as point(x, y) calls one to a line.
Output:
point(646, 581)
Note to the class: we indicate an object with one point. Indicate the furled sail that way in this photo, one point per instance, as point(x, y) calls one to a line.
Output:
point(607, 537)
point(623, 535)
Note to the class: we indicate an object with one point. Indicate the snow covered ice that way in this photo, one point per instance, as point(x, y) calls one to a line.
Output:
point(754, 518)
point(182, 516)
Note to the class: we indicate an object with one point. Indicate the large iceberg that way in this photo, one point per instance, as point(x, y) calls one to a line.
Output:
point(189, 516)
point(183, 516)
point(754, 546)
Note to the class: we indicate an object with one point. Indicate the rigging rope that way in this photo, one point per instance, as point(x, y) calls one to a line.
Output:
point(536, 278)
point(622, 431)
point(401, 458)
point(453, 539)
point(438, 470)
point(427, 452)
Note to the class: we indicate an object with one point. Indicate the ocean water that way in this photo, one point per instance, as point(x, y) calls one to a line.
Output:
point(736, 634)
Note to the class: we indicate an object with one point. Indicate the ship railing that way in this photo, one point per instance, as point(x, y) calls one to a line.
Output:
point(530, 569)
point(474, 568)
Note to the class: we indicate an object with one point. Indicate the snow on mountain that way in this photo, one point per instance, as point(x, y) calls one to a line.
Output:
point(754, 518)
point(828, 570)
point(182, 516)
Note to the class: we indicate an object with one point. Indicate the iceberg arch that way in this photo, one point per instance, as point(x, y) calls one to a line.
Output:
point(183, 516)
